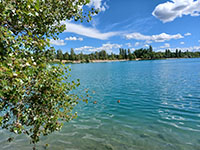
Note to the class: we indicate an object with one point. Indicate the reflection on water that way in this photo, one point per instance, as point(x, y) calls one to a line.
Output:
point(159, 108)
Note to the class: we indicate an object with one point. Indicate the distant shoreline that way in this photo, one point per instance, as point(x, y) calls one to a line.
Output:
point(92, 61)
point(103, 61)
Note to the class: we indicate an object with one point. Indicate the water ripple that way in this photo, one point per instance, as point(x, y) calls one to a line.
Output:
point(159, 108)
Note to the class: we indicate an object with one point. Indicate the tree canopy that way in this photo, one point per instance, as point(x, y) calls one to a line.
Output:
point(35, 97)
point(126, 54)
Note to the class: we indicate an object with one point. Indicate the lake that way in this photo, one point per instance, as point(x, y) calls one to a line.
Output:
point(159, 108)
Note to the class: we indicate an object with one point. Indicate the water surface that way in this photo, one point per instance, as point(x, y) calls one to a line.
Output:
point(159, 108)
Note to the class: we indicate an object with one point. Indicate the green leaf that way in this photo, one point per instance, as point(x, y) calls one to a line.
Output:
point(37, 5)
point(35, 92)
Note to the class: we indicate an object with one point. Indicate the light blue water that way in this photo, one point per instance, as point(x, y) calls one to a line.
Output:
point(159, 108)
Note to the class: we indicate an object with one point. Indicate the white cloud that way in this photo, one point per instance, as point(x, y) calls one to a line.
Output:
point(73, 39)
point(187, 34)
point(137, 43)
point(166, 45)
point(132, 49)
point(182, 43)
point(83, 48)
point(110, 47)
point(146, 45)
point(170, 10)
point(57, 42)
point(107, 47)
point(148, 42)
point(88, 31)
point(98, 4)
point(184, 49)
point(156, 38)
point(192, 48)
point(128, 44)
point(199, 41)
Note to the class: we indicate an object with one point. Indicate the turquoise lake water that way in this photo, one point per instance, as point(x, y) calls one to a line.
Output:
point(159, 108)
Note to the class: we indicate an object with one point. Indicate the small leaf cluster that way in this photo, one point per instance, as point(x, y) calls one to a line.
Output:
point(35, 96)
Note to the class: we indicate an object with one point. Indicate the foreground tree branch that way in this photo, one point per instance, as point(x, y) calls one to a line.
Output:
point(35, 97)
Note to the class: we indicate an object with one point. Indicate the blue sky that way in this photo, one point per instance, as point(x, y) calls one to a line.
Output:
point(135, 24)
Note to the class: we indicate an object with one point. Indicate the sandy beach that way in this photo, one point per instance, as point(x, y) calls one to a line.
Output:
point(93, 61)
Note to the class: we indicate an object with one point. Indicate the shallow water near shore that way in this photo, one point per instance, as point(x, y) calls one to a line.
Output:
point(159, 108)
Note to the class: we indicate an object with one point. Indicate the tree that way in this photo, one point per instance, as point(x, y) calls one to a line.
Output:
point(177, 54)
point(167, 53)
point(81, 56)
point(180, 53)
point(97, 55)
point(72, 54)
point(60, 55)
point(112, 57)
point(125, 54)
point(145, 54)
point(130, 56)
point(151, 53)
point(34, 95)
point(150, 49)
point(103, 55)
point(66, 56)
point(92, 56)
point(77, 57)
point(120, 54)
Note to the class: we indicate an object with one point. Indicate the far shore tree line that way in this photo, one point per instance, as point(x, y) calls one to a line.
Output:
point(125, 54)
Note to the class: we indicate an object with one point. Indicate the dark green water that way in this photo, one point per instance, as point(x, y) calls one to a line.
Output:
point(159, 108)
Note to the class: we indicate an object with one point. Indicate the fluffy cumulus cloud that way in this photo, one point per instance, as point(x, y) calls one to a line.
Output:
point(73, 39)
point(84, 48)
point(182, 43)
point(132, 49)
point(128, 44)
point(88, 31)
point(173, 9)
point(107, 47)
point(183, 49)
point(146, 45)
point(192, 48)
point(148, 42)
point(57, 42)
point(166, 45)
point(187, 34)
point(156, 38)
point(98, 4)
point(137, 43)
